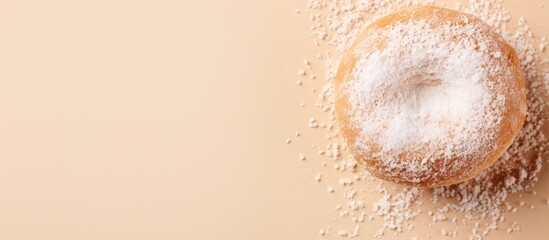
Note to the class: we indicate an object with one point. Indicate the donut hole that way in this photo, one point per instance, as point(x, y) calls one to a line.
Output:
point(430, 105)
point(427, 97)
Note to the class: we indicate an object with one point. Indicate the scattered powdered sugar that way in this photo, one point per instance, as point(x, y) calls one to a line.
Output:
point(397, 209)
point(318, 177)
point(342, 233)
point(480, 203)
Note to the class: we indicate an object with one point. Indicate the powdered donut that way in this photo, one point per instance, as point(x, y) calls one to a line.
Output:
point(429, 96)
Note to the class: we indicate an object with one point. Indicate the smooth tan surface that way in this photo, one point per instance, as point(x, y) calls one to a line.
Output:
point(167, 120)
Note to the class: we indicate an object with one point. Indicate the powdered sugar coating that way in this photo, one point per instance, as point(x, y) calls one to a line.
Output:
point(428, 97)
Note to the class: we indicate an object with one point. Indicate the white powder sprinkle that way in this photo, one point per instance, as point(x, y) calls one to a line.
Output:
point(313, 123)
point(355, 231)
point(321, 232)
point(318, 177)
point(345, 181)
point(342, 233)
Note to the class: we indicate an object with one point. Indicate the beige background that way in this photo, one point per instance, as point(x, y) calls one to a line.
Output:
point(132, 119)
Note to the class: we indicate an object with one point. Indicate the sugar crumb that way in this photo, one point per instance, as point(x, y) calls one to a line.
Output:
point(342, 233)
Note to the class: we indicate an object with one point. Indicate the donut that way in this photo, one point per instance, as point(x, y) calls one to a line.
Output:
point(429, 96)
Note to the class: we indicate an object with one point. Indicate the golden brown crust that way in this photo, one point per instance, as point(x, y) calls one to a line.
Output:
point(512, 118)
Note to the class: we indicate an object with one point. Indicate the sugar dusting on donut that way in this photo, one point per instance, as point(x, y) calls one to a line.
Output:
point(422, 89)
point(420, 94)
point(418, 89)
